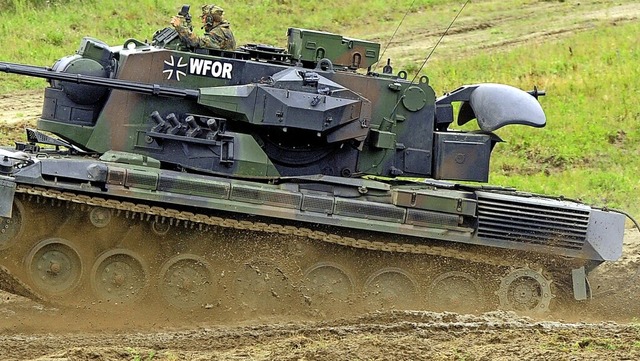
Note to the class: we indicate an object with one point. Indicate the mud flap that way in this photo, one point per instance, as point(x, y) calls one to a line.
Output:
point(7, 191)
point(580, 284)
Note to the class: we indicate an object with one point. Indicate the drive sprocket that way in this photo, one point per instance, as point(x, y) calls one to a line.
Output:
point(525, 289)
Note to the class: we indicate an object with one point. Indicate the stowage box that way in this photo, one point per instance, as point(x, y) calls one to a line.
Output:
point(310, 46)
point(462, 156)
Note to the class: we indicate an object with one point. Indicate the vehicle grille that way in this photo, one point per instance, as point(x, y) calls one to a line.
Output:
point(266, 196)
point(369, 210)
point(535, 221)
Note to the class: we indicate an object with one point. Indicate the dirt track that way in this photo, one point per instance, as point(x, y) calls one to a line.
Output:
point(385, 336)
point(607, 330)
point(29, 331)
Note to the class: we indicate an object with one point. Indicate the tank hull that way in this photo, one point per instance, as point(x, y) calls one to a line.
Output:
point(84, 229)
point(261, 181)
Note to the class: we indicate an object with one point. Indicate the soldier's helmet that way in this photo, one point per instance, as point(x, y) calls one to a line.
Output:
point(213, 13)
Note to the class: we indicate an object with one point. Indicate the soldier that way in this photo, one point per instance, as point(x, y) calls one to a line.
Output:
point(217, 31)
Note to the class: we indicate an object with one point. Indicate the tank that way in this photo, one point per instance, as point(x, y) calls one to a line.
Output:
point(266, 181)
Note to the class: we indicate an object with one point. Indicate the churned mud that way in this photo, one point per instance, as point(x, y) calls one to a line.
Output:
point(29, 331)
point(607, 328)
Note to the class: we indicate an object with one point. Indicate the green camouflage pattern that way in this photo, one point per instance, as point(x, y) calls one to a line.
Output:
point(298, 116)
point(270, 141)
point(217, 31)
point(218, 36)
point(210, 9)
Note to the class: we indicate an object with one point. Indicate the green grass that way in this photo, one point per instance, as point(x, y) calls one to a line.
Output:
point(39, 31)
point(590, 146)
point(139, 356)
point(589, 150)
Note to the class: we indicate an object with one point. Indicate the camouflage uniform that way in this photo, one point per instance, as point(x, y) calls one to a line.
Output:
point(218, 34)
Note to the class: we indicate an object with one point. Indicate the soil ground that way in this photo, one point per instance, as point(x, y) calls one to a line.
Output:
point(605, 329)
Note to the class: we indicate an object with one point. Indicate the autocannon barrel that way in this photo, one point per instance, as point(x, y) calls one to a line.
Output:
point(48, 73)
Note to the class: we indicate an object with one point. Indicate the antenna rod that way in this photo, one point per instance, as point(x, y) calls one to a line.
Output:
point(439, 40)
point(394, 35)
point(431, 53)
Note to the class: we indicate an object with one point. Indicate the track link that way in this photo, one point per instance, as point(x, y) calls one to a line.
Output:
point(450, 280)
point(174, 216)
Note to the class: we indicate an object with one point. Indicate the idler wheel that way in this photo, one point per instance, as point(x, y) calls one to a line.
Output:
point(328, 284)
point(11, 228)
point(526, 290)
point(119, 276)
point(455, 291)
point(391, 288)
point(186, 281)
point(54, 266)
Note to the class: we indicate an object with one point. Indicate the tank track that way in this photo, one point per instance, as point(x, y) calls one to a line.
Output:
point(517, 284)
point(176, 216)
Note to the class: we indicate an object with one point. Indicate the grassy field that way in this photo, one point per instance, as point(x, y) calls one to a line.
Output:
point(583, 54)
point(591, 144)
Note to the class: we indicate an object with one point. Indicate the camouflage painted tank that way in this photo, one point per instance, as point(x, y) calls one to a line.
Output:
point(265, 180)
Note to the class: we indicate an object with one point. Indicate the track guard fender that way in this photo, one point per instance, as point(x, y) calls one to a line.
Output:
point(7, 192)
point(581, 290)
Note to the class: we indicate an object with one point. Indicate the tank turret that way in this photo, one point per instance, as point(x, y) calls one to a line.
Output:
point(310, 114)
